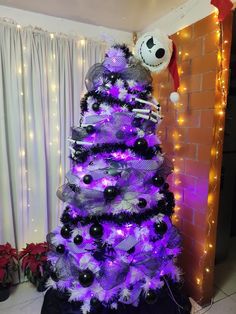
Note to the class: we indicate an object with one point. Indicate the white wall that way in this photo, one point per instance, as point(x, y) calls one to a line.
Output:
point(59, 25)
point(186, 14)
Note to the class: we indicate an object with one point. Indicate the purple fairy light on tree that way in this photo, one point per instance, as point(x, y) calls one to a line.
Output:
point(117, 245)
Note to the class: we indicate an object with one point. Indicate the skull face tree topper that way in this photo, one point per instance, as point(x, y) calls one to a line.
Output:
point(154, 50)
point(157, 52)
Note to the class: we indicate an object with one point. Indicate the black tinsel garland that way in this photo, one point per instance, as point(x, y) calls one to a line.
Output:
point(81, 154)
point(112, 101)
point(163, 207)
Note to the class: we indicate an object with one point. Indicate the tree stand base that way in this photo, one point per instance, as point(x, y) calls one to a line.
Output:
point(57, 303)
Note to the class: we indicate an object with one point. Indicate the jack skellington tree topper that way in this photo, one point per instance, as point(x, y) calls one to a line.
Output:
point(157, 52)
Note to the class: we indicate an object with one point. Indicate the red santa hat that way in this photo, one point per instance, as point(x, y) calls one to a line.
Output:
point(173, 69)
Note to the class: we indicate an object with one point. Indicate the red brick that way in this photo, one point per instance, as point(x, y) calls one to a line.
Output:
point(189, 119)
point(195, 201)
point(204, 153)
point(206, 63)
point(196, 168)
point(186, 213)
point(202, 100)
point(209, 81)
point(200, 135)
point(211, 42)
point(191, 83)
point(187, 181)
point(207, 118)
point(200, 218)
point(205, 26)
point(186, 150)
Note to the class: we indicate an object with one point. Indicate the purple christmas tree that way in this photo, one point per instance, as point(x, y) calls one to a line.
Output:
point(117, 245)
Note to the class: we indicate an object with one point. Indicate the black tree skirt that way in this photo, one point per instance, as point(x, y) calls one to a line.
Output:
point(56, 303)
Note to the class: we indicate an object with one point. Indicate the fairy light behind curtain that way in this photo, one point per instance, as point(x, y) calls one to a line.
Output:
point(41, 83)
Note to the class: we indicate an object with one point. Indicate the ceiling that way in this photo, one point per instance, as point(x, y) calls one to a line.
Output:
point(127, 15)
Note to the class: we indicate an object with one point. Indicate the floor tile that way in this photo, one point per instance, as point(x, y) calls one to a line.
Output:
point(233, 297)
point(225, 306)
point(21, 295)
point(218, 295)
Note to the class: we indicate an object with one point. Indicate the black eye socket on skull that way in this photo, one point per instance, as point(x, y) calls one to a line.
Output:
point(160, 53)
point(150, 43)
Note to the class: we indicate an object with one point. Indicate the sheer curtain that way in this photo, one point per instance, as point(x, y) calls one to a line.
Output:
point(41, 83)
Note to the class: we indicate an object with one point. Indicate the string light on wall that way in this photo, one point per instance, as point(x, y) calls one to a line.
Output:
point(207, 258)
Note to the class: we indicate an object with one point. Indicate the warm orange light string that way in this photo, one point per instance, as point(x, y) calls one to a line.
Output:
point(207, 263)
point(207, 259)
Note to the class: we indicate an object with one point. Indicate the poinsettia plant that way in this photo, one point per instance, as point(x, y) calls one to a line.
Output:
point(8, 264)
point(34, 263)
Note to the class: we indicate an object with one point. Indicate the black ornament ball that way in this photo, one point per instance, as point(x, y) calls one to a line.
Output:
point(160, 227)
point(86, 278)
point(120, 218)
point(165, 186)
point(90, 129)
point(142, 203)
point(158, 181)
point(96, 107)
point(87, 179)
point(96, 231)
point(151, 297)
point(140, 145)
point(78, 239)
point(110, 193)
point(120, 135)
point(65, 218)
point(136, 122)
point(60, 248)
point(95, 303)
point(113, 77)
point(66, 232)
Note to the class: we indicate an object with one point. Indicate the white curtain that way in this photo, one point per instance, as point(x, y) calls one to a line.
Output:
point(41, 83)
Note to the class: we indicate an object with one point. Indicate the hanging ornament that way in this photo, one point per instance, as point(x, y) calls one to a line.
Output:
point(120, 135)
point(158, 181)
point(120, 218)
point(157, 52)
point(160, 227)
point(110, 193)
point(86, 278)
point(90, 129)
point(137, 122)
point(66, 232)
point(65, 218)
point(140, 145)
point(78, 239)
point(96, 231)
point(87, 179)
point(60, 248)
point(142, 203)
point(96, 107)
point(165, 186)
point(151, 297)
point(95, 303)
point(113, 77)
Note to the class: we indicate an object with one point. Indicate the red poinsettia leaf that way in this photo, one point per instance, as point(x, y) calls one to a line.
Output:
point(224, 7)
point(4, 261)
point(34, 267)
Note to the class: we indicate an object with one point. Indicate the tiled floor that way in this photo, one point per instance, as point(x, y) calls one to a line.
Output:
point(25, 299)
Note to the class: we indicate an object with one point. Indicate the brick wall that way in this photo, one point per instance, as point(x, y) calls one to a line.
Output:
point(187, 137)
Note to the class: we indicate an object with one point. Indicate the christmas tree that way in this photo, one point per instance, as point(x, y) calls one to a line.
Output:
point(116, 247)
